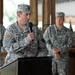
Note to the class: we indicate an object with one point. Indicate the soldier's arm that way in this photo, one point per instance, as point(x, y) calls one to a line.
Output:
point(49, 45)
point(41, 44)
point(10, 44)
point(68, 45)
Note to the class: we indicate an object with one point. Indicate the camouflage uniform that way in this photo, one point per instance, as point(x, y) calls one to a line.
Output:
point(73, 37)
point(2, 30)
point(18, 45)
point(61, 39)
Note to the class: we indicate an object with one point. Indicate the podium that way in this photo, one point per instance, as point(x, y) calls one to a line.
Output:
point(29, 66)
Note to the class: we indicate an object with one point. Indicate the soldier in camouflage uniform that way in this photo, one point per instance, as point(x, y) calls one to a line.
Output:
point(2, 30)
point(19, 42)
point(58, 41)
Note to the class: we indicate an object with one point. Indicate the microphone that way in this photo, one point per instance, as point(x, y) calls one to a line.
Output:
point(30, 25)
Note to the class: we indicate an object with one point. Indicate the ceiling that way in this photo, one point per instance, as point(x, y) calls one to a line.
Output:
point(66, 6)
point(61, 1)
point(57, 1)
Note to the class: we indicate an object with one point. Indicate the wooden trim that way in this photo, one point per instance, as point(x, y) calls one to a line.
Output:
point(67, 20)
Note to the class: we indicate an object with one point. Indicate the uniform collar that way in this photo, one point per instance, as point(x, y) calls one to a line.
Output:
point(20, 29)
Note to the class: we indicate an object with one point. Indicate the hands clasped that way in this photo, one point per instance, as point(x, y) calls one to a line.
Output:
point(56, 53)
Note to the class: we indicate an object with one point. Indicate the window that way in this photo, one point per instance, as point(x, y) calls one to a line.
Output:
point(10, 7)
point(68, 8)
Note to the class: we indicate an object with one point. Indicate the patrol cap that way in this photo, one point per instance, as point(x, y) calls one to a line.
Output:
point(24, 8)
point(60, 14)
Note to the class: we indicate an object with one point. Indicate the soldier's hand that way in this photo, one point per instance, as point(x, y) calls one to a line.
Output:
point(31, 36)
point(55, 50)
point(57, 56)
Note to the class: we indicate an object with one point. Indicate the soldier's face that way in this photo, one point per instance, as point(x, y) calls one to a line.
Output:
point(59, 21)
point(25, 18)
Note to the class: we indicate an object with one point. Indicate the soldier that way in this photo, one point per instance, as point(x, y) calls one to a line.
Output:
point(58, 42)
point(19, 42)
point(2, 30)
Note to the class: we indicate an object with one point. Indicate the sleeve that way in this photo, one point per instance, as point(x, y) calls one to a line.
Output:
point(41, 44)
point(66, 47)
point(46, 37)
point(10, 44)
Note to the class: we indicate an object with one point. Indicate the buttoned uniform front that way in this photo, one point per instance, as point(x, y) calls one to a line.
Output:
point(59, 38)
point(18, 45)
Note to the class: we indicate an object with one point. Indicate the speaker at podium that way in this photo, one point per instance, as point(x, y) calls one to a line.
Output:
point(29, 66)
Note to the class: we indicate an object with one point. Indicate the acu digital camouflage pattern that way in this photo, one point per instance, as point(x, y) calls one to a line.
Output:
point(60, 68)
point(2, 30)
point(18, 45)
point(24, 8)
point(73, 37)
point(61, 39)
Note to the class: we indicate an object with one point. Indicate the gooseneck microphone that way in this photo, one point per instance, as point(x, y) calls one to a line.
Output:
point(30, 25)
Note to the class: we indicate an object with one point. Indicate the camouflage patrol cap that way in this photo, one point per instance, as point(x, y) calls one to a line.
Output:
point(60, 14)
point(24, 8)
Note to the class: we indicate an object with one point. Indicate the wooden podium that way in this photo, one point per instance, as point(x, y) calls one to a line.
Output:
point(29, 66)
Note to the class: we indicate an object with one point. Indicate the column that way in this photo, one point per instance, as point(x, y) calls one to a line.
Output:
point(45, 14)
point(34, 15)
point(52, 2)
point(1, 11)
